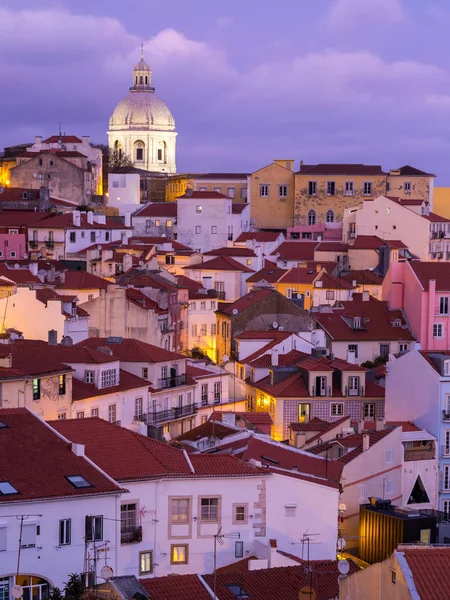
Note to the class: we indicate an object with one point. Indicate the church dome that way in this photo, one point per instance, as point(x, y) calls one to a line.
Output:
point(142, 109)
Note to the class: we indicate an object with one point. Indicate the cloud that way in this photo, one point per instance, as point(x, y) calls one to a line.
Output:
point(346, 14)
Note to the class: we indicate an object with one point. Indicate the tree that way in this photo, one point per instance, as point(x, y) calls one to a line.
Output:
point(74, 587)
point(197, 352)
point(55, 594)
point(112, 161)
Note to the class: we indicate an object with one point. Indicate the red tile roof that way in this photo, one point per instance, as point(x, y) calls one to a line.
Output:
point(315, 424)
point(230, 251)
point(292, 387)
point(66, 139)
point(30, 362)
point(247, 301)
point(427, 271)
point(301, 275)
point(434, 218)
point(212, 429)
point(45, 295)
point(37, 462)
point(157, 209)
point(259, 236)
point(20, 218)
point(412, 202)
point(363, 277)
point(65, 354)
point(270, 334)
point(341, 169)
point(197, 195)
point(142, 301)
point(256, 418)
point(175, 587)
point(430, 569)
point(61, 153)
point(127, 381)
point(295, 251)
point(187, 282)
point(284, 360)
point(331, 247)
point(17, 195)
point(376, 321)
point(412, 171)
point(270, 274)
point(405, 425)
point(81, 280)
point(158, 241)
point(146, 278)
point(65, 221)
point(129, 456)
point(353, 443)
point(19, 276)
point(237, 209)
point(132, 350)
point(221, 263)
point(334, 283)
point(193, 371)
point(373, 242)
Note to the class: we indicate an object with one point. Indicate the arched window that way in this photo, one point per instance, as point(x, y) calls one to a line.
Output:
point(136, 79)
point(140, 79)
point(312, 217)
point(146, 80)
point(162, 152)
point(118, 149)
point(139, 148)
point(329, 217)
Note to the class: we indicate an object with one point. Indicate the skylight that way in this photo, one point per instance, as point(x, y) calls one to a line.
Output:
point(78, 481)
point(2, 425)
point(237, 590)
point(272, 460)
point(6, 488)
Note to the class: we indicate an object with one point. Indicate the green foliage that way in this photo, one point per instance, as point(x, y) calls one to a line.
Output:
point(74, 587)
point(372, 364)
point(55, 594)
point(197, 352)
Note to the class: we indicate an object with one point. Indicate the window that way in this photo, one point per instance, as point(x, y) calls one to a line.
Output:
point(80, 414)
point(329, 217)
point(128, 522)
point(94, 528)
point(348, 188)
point(94, 412)
point(12, 254)
point(3, 547)
point(6, 489)
point(389, 486)
point(140, 154)
point(353, 385)
point(240, 513)
point(36, 389)
point(107, 236)
point(203, 329)
point(438, 330)
point(443, 305)
point(92, 237)
point(362, 491)
point(282, 191)
point(109, 378)
point(198, 229)
point(62, 385)
point(157, 222)
point(230, 192)
point(194, 330)
point(331, 188)
point(213, 228)
point(264, 190)
point(213, 305)
point(369, 410)
point(353, 348)
point(62, 415)
point(329, 294)
point(65, 526)
point(213, 328)
point(384, 350)
point(312, 188)
point(112, 413)
point(218, 190)
point(446, 507)
point(89, 376)
point(312, 217)
point(72, 237)
point(169, 223)
point(203, 305)
point(336, 410)
point(238, 549)
point(290, 510)
point(209, 509)
point(393, 576)
point(145, 562)
point(198, 209)
point(78, 481)
point(138, 407)
point(29, 533)
point(179, 554)
point(407, 186)
point(179, 510)
point(243, 193)
point(367, 188)
point(403, 347)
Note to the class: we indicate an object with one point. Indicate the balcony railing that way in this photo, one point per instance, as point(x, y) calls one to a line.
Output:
point(359, 391)
point(220, 295)
point(205, 400)
point(419, 453)
point(445, 415)
point(171, 414)
point(171, 382)
point(131, 535)
point(34, 244)
point(49, 244)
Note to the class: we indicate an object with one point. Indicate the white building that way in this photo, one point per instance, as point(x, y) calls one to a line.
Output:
point(208, 220)
point(57, 509)
point(142, 127)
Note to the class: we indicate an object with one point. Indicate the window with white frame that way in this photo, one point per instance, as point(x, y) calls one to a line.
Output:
point(282, 191)
point(336, 409)
point(403, 347)
point(138, 408)
point(209, 509)
point(446, 478)
point(65, 526)
point(94, 412)
point(231, 192)
point(438, 330)
point(312, 188)
point(369, 410)
point(203, 329)
point(179, 510)
point(29, 535)
point(290, 510)
point(407, 186)
point(329, 216)
point(112, 417)
point(94, 528)
point(145, 562)
point(367, 188)
point(198, 209)
point(109, 378)
point(389, 485)
point(217, 391)
point(329, 294)
point(194, 330)
point(213, 328)
point(446, 507)
point(331, 188)
point(362, 491)
point(353, 348)
point(447, 441)
point(443, 305)
point(312, 217)
point(389, 456)
point(353, 385)
point(349, 188)
point(264, 190)
point(3, 548)
point(203, 305)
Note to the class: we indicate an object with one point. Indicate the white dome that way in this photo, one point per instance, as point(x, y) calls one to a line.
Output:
point(142, 110)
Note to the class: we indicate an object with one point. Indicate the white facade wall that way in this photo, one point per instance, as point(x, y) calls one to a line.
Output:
point(47, 559)
point(124, 191)
point(326, 296)
point(201, 325)
point(367, 350)
point(233, 281)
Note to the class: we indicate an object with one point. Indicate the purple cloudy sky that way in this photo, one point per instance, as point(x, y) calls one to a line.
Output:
point(247, 80)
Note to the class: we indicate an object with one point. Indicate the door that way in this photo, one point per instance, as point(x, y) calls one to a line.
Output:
point(353, 386)
point(321, 386)
point(304, 413)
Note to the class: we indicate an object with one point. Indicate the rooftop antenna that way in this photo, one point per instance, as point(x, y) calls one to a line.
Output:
point(218, 539)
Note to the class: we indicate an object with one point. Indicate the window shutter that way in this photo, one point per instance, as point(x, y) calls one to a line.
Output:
point(28, 536)
point(88, 527)
point(98, 524)
point(2, 538)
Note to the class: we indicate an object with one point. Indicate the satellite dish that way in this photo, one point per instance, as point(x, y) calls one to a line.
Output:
point(235, 311)
point(343, 567)
point(17, 266)
point(225, 358)
point(99, 247)
point(341, 544)
point(107, 572)
point(342, 507)
point(17, 591)
point(275, 325)
point(141, 263)
point(25, 255)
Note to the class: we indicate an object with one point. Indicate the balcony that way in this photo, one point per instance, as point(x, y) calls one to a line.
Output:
point(171, 414)
point(34, 244)
point(445, 416)
point(131, 535)
point(171, 382)
point(359, 391)
point(205, 400)
point(419, 453)
point(49, 244)
point(220, 294)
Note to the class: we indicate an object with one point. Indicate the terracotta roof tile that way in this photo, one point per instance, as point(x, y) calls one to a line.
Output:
point(412, 171)
point(405, 425)
point(127, 381)
point(81, 280)
point(292, 387)
point(157, 209)
point(373, 242)
point(143, 301)
point(270, 274)
point(197, 195)
point(30, 362)
point(363, 277)
point(284, 360)
point(426, 271)
point(65, 221)
point(315, 424)
point(295, 251)
point(66, 139)
point(132, 350)
point(247, 301)
point(221, 263)
point(230, 251)
point(434, 218)
point(65, 354)
point(28, 446)
point(187, 282)
point(301, 275)
point(259, 236)
point(210, 428)
point(341, 169)
point(179, 587)
point(331, 247)
point(430, 568)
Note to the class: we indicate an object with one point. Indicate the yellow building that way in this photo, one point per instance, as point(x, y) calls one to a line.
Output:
point(233, 185)
point(441, 202)
point(271, 193)
point(298, 284)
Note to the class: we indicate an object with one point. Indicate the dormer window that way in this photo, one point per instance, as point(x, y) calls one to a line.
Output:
point(396, 323)
point(357, 323)
point(109, 378)
point(447, 368)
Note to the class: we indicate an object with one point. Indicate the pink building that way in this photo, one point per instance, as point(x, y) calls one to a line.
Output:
point(422, 290)
point(318, 231)
point(13, 246)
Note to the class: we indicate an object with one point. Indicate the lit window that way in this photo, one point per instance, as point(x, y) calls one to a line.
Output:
point(179, 554)
point(36, 389)
point(145, 562)
point(238, 549)
point(62, 385)
point(78, 481)
point(169, 223)
point(157, 222)
point(6, 489)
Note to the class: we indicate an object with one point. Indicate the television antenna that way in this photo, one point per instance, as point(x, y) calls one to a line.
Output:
point(219, 538)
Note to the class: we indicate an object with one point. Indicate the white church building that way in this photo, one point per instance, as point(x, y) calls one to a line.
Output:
point(142, 127)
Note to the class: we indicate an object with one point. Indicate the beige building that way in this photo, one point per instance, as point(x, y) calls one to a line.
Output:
point(271, 195)
point(233, 185)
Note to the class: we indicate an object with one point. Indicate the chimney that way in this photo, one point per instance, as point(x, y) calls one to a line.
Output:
point(85, 139)
point(274, 357)
point(90, 217)
point(301, 164)
point(318, 268)
point(127, 219)
point(38, 139)
point(33, 266)
point(76, 218)
point(78, 449)
point(379, 424)
point(51, 274)
point(354, 284)
point(366, 441)
point(62, 277)
point(360, 427)
point(365, 296)
point(52, 337)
